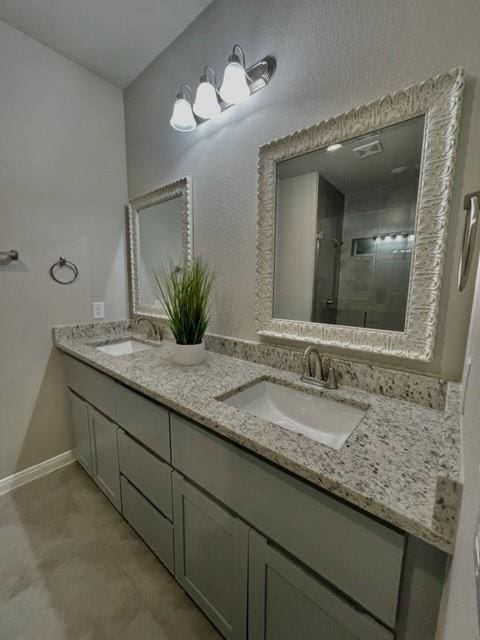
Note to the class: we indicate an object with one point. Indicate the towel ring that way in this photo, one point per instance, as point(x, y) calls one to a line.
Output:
point(63, 262)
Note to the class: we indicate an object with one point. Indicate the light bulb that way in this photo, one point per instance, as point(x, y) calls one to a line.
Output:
point(206, 104)
point(182, 117)
point(234, 87)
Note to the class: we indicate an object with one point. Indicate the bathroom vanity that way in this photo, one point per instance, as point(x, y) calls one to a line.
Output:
point(273, 535)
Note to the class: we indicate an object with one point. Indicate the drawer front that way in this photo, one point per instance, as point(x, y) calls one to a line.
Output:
point(144, 420)
point(357, 554)
point(97, 388)
point(149, 523)
point(147, 472)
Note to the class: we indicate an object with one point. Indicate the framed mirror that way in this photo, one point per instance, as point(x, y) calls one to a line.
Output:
point(352, 223)
point(160, 231)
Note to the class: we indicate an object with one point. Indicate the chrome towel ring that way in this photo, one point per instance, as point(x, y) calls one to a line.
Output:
point(60, 264)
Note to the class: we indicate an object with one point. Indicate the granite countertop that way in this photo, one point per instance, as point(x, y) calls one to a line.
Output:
point(402, 463)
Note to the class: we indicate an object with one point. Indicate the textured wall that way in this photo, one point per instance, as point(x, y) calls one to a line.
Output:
point(332, 56)
point(62, 192)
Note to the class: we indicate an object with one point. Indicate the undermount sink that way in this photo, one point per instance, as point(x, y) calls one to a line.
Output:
point(124, 347)
point(322, 419)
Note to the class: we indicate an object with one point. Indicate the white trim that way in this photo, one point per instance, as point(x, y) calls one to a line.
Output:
point(37, 471)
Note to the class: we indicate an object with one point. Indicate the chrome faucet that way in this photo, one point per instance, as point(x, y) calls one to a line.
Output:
point(321, 374)
point(155, 332)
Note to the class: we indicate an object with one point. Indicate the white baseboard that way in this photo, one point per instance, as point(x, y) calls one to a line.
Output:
point(35, 472)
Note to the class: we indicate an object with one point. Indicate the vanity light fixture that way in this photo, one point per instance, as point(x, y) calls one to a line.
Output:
point(239, 83)
point(182, 117)
point(206, 104)
point(334, 147)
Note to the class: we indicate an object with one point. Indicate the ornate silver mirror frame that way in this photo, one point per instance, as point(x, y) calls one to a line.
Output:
point(181, 188)
point(439, 100)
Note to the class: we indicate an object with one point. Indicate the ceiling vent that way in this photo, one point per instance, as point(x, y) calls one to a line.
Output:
point(368, 149)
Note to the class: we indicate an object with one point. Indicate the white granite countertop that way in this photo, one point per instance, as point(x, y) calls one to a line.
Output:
point(402, 463)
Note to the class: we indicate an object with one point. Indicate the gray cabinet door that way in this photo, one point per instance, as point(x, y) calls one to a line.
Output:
point(288, 603)
point(105, 456)
point(211, 558)
point(81, 432)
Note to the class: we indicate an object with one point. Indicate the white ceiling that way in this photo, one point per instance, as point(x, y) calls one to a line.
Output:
point(116, 39)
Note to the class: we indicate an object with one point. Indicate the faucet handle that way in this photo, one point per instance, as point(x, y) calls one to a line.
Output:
point(331, 377)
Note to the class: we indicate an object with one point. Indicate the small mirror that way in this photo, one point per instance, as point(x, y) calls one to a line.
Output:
point(345, 230)
point(160, 233)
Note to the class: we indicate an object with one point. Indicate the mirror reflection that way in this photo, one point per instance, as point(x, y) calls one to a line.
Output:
point(160, 241)
point(345, 230)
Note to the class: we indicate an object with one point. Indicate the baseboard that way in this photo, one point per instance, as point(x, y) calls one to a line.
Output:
point(37, 471)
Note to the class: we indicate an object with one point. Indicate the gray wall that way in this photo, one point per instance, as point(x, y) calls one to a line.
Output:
point(332, 56)
point(62, 192)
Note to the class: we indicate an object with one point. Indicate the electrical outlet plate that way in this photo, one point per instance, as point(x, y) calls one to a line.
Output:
point(98, 310)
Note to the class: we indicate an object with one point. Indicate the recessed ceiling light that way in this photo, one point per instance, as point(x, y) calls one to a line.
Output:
point(334, 147)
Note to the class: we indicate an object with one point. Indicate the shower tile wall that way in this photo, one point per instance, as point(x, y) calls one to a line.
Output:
point(376, 284)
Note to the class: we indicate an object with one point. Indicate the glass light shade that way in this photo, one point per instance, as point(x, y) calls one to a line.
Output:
point(206, 104)
point(234, 88)
point(182, 117)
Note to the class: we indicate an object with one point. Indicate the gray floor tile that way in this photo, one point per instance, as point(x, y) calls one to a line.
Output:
point(72, 569)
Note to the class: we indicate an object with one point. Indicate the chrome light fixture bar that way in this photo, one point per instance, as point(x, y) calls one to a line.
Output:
point(239, 83)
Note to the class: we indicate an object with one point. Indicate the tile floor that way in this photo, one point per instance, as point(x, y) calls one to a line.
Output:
point(72, 569)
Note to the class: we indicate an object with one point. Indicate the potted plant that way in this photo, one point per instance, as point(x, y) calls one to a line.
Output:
point(184, 292)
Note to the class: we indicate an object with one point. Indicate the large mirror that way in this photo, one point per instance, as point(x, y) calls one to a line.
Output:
point(352, 223)
point(345, 229)
point(160, 233)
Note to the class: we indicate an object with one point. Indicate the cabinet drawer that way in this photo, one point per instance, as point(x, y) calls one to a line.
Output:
point(97, 388)
point(149, 523)
point(149, 474)
point(359, 555)
point(146, 421)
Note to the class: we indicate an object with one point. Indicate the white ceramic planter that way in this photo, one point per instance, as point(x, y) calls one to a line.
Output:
point(188, 354)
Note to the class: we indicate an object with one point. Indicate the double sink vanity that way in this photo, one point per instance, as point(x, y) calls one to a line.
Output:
point(288, 508)
point(275, 529)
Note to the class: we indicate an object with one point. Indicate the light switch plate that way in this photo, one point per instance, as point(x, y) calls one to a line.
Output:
point(98, 310)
